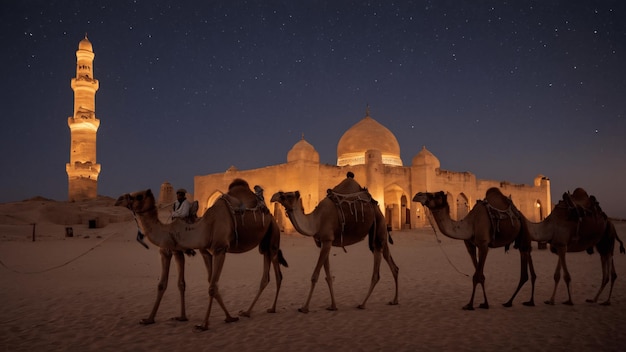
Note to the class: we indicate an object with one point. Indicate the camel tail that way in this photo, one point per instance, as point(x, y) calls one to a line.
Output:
point(281, 259)
point(370, 238)
point(621, 244)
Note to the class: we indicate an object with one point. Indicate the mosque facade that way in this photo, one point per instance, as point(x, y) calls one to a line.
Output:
point(83, 170)
point(371, 151)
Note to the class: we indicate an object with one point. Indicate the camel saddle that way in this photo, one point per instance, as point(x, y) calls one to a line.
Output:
point(586, 204)
point(351, 193)
point(352, 200)
point(500, 208)
point(238, 208)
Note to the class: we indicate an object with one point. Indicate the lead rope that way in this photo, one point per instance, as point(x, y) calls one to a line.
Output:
point(429, 216)
point(60, 265)
point(140, 235)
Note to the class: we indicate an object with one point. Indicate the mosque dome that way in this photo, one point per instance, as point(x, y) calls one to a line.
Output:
point(85, 44)
point(365, 135)
point(303, 150)
point(425, 157)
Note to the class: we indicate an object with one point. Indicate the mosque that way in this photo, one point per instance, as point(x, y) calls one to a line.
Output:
point(371, 151)
point(367, 149)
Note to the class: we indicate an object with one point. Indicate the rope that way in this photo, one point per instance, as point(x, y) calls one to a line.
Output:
point(60, 265)
point(18, 218)
point(440, 247)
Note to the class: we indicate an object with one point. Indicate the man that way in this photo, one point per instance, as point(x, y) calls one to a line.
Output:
point(182, 205)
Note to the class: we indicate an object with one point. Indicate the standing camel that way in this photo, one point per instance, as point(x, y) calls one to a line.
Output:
point(344, 217)
point(577, 223)
point(493, 222)
point(238, 222)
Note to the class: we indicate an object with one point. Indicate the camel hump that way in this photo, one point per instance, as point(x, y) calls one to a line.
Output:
point(238, 182)
point(496, 199)
point(584, 200)
point(348, 185)
point(241, 196)
point(580, 195)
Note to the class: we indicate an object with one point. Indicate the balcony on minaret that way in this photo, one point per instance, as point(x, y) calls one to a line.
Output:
point(87, 170)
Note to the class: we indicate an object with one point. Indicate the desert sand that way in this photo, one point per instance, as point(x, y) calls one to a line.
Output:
point(88, 293)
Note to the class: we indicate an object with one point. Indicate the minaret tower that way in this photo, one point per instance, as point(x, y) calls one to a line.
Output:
point(82, 170)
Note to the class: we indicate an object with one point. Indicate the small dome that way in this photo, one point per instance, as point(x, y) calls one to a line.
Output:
point(425, 157)
point(365, 135)
point(85, 44)
point(303, 150)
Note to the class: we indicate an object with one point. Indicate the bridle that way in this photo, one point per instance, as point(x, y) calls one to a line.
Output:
point(129, 200)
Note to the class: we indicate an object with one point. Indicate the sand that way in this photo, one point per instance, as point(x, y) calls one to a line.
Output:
point(88, 293)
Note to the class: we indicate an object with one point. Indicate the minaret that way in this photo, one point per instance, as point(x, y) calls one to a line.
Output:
point(82, 170)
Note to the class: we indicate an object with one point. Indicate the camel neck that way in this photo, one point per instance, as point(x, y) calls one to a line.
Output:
point(149, 210)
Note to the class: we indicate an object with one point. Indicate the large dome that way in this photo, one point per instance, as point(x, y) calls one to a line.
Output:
point(365, 135)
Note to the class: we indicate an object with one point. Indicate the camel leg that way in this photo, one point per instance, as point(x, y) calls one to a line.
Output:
point(394, 271)
point(324, 251)
point(557, 276)
point(524, 257)
point(179, 256)
point(471, 249)
point(329, 281)
point(276, 256)
point(208, 263)
point(279, 279)
point(480, 277)
point(567, 278)
point(166, 258)
point(218, 264)
point(375, 277)
point(533, 278)
point(607, 267)
point(613, 278)
point(214, 291)
point(265, 279)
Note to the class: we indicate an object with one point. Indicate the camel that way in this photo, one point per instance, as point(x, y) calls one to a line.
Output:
point(577, 223)
point(492, 222)
point(343, 218)
point(238, 222)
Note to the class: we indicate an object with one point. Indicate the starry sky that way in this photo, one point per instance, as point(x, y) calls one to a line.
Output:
point(506, 90)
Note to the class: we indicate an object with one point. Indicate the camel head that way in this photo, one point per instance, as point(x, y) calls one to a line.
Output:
point(432, 201)
point(289, 200)
point(138, 202)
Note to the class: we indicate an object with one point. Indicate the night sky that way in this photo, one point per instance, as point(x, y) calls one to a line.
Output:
point(506, 90)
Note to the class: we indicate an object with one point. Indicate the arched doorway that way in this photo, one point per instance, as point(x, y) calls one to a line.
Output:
point(211, 200)
point(539, 212)
point(395, 207)
point(405, 213)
